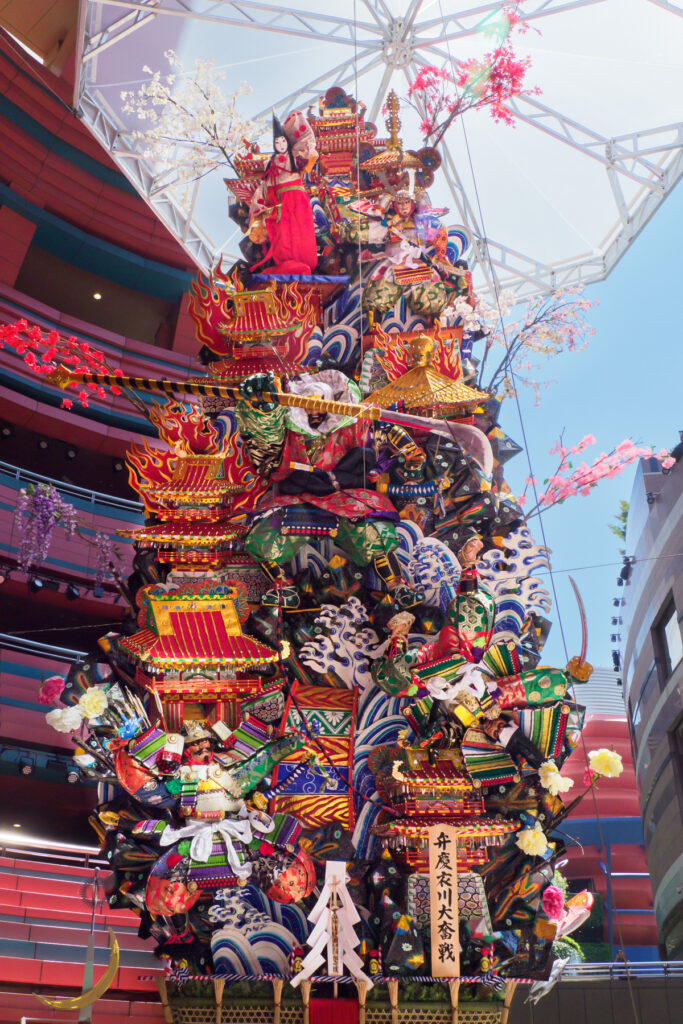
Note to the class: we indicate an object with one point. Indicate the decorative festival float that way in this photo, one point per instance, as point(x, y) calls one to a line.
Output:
point(329, 755)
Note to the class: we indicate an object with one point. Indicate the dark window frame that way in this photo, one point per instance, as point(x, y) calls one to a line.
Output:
point(665, 668)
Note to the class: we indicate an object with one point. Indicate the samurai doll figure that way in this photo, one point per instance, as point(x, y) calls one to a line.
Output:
point(280, 212)
point(403, 269)
point(475, 668)
point(220, 831)
point(320, 465)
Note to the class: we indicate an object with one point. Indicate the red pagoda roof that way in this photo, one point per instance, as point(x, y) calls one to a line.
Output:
point(186, 628)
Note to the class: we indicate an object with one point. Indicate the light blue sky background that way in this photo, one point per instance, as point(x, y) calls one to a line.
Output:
point(627, 383)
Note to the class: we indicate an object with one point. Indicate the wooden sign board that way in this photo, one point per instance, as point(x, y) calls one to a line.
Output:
point(443, 901)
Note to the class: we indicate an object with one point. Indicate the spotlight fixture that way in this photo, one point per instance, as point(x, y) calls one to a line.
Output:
point(35, 585)
point(625, 573)
point(42, 444)
point(118, 466)
point(72, 775)
point(71, 453)
point(651, 497)
point(72, 592)
point(6, 430)
point(26, 766)
point(97, 296)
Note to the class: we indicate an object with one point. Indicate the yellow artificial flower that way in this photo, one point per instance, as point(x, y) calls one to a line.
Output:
point(552, 780)
point(532, 841)
point(93, 702)
point(605, 762)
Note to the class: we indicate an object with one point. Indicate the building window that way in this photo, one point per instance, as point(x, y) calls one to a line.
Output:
point(666, 639)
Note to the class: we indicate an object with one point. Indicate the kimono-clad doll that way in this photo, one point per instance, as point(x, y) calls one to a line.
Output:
point(321, 465)
point(281, 204)
point(476, 668)
point(221, 834)
point(403, 269)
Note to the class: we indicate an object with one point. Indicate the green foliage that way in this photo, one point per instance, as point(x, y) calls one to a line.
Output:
point(618, 527)
point(567, 946)
point(560, 882)
point(597, 952)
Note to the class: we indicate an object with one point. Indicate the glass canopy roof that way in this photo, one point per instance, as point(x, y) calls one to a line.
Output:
point(555, 200)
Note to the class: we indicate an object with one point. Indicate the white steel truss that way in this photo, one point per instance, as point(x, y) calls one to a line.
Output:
point(377, 40)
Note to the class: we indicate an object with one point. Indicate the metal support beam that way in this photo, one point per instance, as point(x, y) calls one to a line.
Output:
point(78, 53)
point(118, 30)
point(378, 39)
point(265, 17)
point(341, 75)
point(459, 25)
point(668, 5)
point(195, 243)
point(584, 139)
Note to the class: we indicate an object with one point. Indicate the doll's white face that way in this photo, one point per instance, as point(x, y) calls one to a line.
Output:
point(404, 207)
point(280, 144)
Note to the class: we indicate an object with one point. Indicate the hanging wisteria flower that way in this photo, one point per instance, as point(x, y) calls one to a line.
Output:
point(552, 780)
point(39, 509)
point(51, 690)
point(532, 841)
point(605, 762)
point(64, 719)
point(93, 702)
point(105, 557)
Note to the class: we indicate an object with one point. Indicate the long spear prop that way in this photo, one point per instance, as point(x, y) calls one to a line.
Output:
point(62, 377)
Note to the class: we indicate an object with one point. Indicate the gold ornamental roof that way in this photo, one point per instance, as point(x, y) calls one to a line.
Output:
point(424, 387)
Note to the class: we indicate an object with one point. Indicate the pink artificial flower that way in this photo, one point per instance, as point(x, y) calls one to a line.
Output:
point(521, 500)
point(530, 481)
point(668, 462)
point(588, 776)
point(553, 902)
point(51, 690)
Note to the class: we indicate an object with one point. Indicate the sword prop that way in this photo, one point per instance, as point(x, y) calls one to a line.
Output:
point(62, 377)
point(578, 666)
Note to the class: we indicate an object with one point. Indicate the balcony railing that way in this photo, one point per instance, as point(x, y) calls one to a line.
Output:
point(71, 490)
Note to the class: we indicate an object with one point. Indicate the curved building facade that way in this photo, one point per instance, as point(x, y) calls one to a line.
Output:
point(651, 607)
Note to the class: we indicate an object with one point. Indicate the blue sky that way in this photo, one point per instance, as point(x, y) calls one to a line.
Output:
point(626, 384)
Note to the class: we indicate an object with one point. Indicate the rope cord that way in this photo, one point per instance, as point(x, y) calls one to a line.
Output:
point(508, 364)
